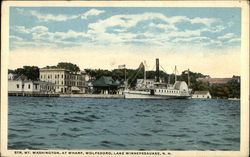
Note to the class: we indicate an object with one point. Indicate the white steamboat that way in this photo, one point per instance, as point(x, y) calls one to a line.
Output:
point(159, 90)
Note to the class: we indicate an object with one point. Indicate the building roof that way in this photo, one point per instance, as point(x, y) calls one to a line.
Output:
point(52, 69)
point(201, 92)
point(105, 81)
point(21, 77)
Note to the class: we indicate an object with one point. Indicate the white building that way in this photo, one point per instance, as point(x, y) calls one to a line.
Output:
point(202, 94)
point(65, 81)
point(30, 86)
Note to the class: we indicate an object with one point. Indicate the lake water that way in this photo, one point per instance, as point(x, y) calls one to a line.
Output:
point(115, 124)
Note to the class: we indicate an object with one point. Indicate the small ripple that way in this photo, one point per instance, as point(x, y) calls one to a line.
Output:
point(147, 111)
point(145, 134)
point(13, 135)
point(26, 124)
point(208, 143)
point(78, 112)
point(93, 116)
point(141, 115)
point(42, 121)
point(154, 144)
point(179, 135)
point(156, 131)
point(110, 143)
point(232, 139)
point(75, 129)
point(209, 135)
point(19, 130)
point(69, 135)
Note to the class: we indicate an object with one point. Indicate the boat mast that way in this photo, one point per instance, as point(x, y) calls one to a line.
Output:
point(125, 77)
point(175, 76)
point(145, 72)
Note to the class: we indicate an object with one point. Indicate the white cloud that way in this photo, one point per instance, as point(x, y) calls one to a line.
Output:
point(39, 29)
point(91, 12)
point(41, 36)
point(20, 29)
point(15, 38)
point(59, 17)
point(190, 39)
point(227, 36)
point(51, 17)
point(234, 40)
point(124, 22)
point(205, 21)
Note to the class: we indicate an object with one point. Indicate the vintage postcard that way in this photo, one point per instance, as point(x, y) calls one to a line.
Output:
point(125, 78)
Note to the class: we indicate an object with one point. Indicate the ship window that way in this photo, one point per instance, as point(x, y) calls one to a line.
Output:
point(29, 86)
point(17, 86)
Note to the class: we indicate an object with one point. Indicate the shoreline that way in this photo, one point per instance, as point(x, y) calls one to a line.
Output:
point(104, 96)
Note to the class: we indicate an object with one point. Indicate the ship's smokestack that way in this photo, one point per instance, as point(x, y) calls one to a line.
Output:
point(157, 71)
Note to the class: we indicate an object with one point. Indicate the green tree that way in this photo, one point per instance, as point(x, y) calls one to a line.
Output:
point(32, 72)
point(68, 66)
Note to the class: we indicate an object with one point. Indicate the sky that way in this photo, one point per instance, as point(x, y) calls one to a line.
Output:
point(205, 40)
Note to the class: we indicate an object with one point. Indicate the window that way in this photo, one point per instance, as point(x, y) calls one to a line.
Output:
point(36, 86)
point(17, 86)
point(29, 86)
point(62, 82)
point(62, 76)
point(23, 86)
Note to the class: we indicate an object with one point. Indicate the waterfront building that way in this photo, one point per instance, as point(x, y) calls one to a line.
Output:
point(65, 81)
point(22, 85)
point(202, 94)
point(105, 85)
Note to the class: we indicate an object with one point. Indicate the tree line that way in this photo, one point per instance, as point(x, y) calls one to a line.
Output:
point(230, 89)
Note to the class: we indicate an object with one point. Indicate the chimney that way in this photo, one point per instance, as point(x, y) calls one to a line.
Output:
point(157, 71)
